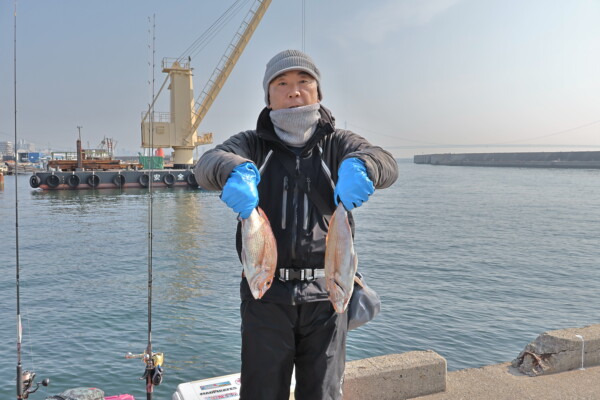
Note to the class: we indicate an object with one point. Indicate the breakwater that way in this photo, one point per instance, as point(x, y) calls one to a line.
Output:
point(559, 159)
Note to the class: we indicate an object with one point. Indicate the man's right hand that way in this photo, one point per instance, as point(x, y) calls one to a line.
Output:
point(240, 191)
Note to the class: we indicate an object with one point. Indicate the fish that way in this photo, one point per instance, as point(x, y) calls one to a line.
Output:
point(341, 260)
point(259, 252)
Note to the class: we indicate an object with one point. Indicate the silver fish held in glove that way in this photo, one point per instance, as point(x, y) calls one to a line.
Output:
point(340, 260)
point(259, 252)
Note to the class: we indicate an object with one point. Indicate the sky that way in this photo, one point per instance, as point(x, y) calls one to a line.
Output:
point(412, 76)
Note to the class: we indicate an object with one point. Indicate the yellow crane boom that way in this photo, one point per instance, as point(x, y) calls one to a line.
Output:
point(228, 61)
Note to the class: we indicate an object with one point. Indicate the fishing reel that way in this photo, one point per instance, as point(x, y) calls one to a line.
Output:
point(27, 380)
point(154, 369)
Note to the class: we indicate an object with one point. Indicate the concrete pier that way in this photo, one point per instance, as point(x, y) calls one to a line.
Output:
point(550, 368)
point(560, 159)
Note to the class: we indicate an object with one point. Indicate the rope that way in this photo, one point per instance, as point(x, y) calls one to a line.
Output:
point(199, 44)
point(303, 25)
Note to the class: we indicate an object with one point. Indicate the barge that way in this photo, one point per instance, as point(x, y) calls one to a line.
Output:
point(115, 179)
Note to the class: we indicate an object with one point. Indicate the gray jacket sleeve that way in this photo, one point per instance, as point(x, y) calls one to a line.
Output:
point(382, 168)
point(215, 166)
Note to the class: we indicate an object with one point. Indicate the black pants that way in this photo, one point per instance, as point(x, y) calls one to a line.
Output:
point(275, 337)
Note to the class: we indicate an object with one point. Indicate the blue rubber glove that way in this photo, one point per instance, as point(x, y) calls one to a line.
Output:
point(354, 186)
point(240, 191)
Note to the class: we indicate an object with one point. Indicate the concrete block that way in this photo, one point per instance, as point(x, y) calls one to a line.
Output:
point(560, 350)
point(395, 376)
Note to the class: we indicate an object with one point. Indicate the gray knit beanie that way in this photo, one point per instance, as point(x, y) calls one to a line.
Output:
point(288, 60)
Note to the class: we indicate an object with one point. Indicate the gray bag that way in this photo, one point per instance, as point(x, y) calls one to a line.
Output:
point(364, 304)
point(81, 393)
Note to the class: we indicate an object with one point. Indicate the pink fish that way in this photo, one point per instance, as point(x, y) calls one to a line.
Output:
point(259, 252)
point(340, 260)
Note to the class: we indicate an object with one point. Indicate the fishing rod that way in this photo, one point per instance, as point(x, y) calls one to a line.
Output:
point(25, 379)
point(153, 372)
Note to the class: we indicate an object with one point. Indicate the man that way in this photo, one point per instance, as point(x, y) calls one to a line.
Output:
point(294, 153)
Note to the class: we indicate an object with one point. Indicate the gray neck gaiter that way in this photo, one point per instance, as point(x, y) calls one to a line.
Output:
point(295, 126)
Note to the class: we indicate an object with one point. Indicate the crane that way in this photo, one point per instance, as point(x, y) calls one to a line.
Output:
point(178, 128)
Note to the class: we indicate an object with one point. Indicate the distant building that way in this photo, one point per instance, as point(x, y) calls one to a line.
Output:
point(22, 145)
point(7, 149)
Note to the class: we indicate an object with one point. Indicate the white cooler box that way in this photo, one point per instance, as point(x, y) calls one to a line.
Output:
point(223, 387)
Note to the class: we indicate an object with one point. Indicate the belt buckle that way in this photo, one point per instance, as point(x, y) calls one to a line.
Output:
point(309, 274)
point(301, 274)
point(284, 274)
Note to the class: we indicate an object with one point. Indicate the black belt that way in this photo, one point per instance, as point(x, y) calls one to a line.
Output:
point(301, 274)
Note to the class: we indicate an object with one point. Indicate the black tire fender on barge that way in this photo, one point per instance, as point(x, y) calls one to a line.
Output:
point(93, 180)
point(144, 180)
point(191, 180)
point(119, 180)
point(73, 181)
point(52, 181)
point(169, 179)
point(35, 181)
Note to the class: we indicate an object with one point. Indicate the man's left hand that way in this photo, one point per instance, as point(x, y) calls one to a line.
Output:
point(354, 186)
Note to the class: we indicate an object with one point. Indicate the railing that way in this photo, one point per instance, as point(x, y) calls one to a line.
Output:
point(159, 117)
point(169, 63)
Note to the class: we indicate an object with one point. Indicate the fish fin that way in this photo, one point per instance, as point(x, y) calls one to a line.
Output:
point(244, 257)
point(263, 215)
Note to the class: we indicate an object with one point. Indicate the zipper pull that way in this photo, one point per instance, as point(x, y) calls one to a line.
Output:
point(298, 165)
point(308, 184)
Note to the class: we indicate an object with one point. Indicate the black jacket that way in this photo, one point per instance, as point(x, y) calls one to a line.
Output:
point(299, 226)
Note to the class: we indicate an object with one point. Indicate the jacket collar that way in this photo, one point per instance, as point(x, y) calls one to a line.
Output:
point(266, 131)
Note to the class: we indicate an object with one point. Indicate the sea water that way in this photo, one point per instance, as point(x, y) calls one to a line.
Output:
point(470, 262)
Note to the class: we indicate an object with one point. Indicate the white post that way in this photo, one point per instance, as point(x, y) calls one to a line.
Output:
point(582, 350)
